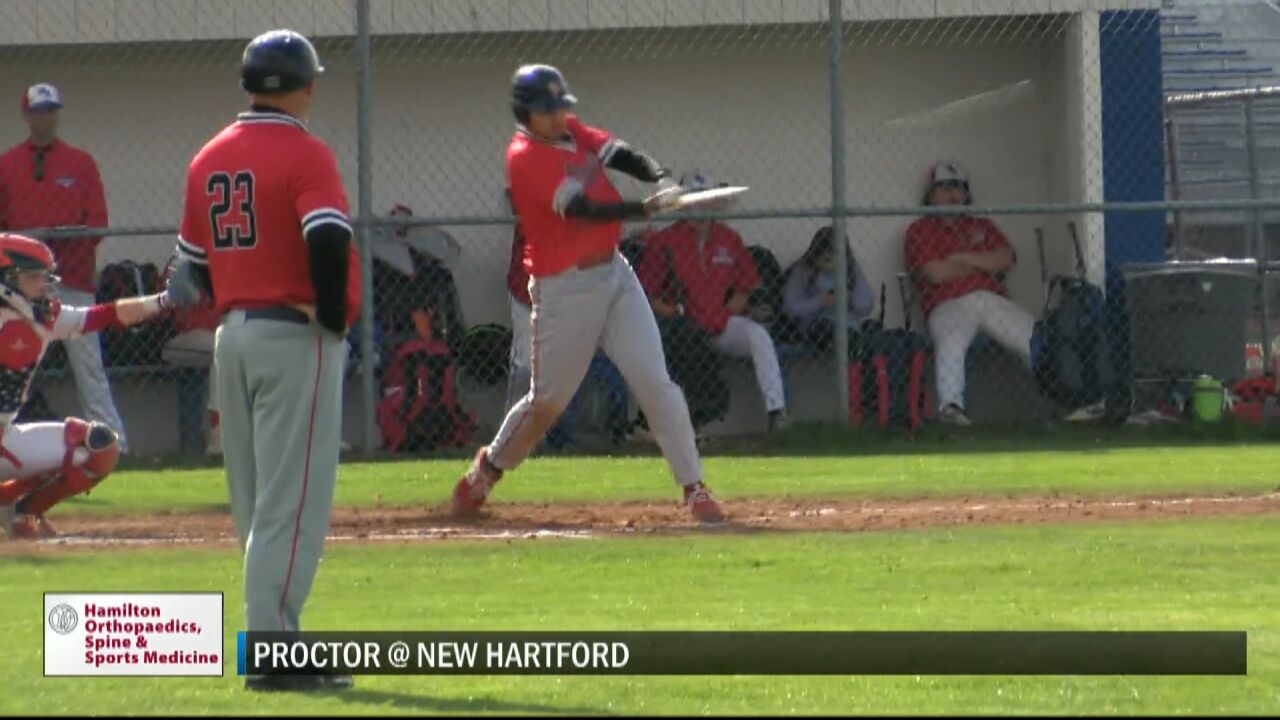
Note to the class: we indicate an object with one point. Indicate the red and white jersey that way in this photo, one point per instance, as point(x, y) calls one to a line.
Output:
point(253, 192)
point(23, 343)
point(938, 238)
point(543, 177)
point(705, 273)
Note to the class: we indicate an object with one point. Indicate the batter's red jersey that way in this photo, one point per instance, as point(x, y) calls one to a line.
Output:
point(934, 238)
point(543, 177)
point(252, 193)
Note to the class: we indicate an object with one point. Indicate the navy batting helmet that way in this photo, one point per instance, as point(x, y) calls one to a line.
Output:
point(539, 88)
point(279, 61)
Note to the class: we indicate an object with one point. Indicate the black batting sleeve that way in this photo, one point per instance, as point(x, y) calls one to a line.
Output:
point(581, 208)
point(328, 251)
point(625, 159)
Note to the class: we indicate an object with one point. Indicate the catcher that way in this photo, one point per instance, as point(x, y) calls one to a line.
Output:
point(44, 463)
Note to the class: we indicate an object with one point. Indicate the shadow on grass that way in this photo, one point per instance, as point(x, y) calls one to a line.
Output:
point(828, 440)
point(423, 703)
point(834, 439)
point(105, 506)
point(34, 559)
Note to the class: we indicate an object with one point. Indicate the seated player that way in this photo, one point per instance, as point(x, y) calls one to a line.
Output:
point(809, 297)
point(716, 275)
point(958, 263)
point(44, 463)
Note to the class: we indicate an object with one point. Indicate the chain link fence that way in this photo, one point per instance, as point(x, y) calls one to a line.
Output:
point(1050, 209)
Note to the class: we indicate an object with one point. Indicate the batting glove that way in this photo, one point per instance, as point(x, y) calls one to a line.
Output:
point(662, 200)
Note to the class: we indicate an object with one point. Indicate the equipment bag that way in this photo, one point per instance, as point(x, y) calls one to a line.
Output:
point(886, 372)
point(419, 408)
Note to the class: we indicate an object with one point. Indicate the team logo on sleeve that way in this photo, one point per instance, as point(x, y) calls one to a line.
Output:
point(978, 236)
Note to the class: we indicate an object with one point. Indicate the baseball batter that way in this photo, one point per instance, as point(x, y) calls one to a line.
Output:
point(584, 294)
point(265, 231)
point(44, 463)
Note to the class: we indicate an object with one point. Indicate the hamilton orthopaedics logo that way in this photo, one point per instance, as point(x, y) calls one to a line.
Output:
point(63, 619)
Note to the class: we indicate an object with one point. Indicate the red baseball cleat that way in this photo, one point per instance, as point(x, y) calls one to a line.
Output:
point(701, 505)
point(31, 527)
point(473, 489)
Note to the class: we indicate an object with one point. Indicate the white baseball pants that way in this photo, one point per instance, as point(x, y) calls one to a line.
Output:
point(955, 323)
point(744, 337)
point(32, 449)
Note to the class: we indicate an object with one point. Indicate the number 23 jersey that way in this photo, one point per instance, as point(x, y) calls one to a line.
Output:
point(252, 193)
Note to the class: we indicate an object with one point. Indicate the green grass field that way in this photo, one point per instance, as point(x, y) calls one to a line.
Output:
point(1218, 574)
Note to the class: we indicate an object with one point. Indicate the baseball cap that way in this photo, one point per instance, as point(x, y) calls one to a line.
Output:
point(401, 210)
point(41, 96)
point(948, 172)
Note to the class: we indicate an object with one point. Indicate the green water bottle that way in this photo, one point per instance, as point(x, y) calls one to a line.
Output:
point(1207, 399)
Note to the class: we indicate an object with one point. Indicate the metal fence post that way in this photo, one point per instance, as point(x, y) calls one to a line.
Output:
point(836, 76)
point(364, 181)
point(1259, 232)
point(1175, 184)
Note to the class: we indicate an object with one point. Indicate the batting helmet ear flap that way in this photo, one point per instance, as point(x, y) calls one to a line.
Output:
point(521, 113)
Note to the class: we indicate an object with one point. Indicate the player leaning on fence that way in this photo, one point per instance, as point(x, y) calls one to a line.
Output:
point(584, 294)
point(265, 230)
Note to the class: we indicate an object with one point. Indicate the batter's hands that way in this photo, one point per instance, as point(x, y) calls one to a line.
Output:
point(662, 200)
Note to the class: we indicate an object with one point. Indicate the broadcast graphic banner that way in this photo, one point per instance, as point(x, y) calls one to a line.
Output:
point(745, 653)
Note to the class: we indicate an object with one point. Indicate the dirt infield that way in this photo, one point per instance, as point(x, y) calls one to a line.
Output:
point(588, 520)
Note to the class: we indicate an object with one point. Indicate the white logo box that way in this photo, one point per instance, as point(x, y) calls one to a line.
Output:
point(133, 633)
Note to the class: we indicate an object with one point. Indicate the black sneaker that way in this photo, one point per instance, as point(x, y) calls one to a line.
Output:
point(298, 683)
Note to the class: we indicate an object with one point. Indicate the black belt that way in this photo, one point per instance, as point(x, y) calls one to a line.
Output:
point(283, 313)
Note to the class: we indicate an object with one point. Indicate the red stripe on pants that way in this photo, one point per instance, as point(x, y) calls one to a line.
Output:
point(306, 477)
